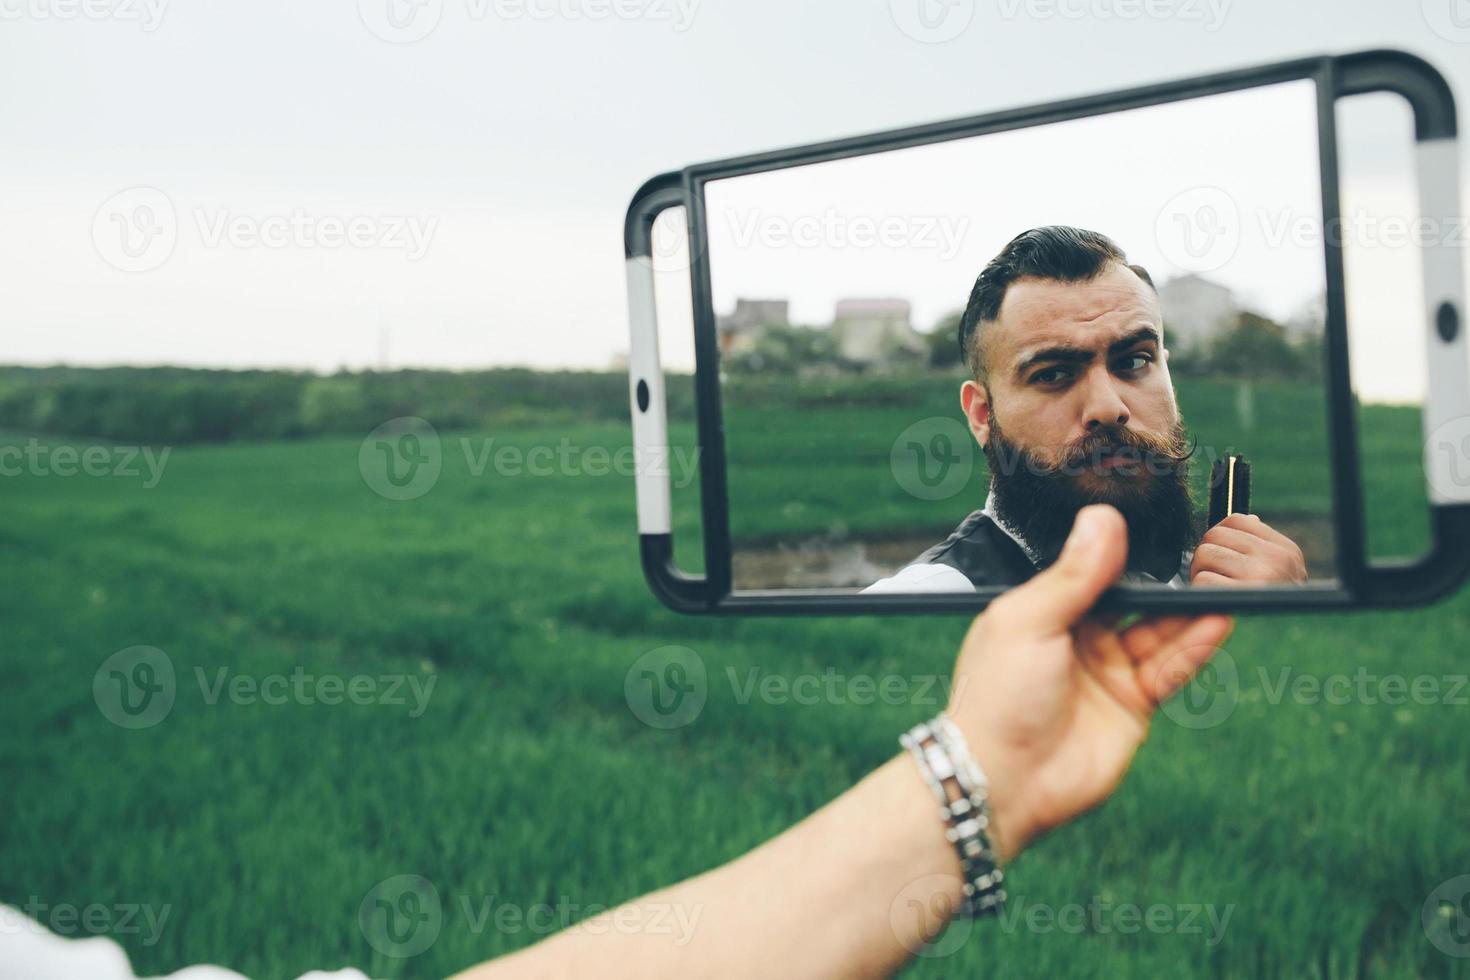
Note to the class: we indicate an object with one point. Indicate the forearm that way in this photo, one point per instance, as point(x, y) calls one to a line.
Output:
point(855, 888)
point(849, 891)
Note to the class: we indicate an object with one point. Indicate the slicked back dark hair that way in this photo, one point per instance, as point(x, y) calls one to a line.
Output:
point(1058, 252)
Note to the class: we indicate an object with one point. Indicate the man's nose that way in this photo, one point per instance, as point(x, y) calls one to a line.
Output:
point(1104, 405)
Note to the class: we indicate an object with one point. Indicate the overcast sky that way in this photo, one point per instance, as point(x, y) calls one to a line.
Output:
point(274, 183)
point(919, 223)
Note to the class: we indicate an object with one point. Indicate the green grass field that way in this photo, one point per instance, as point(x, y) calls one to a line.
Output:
point(1319, 828)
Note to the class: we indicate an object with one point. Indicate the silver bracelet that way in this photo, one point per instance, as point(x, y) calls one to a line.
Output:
point(963, 793)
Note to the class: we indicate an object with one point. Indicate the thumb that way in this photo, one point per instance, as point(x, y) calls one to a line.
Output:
point(1092, 559)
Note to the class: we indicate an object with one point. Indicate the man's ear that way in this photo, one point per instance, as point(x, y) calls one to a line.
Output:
point(975, 400)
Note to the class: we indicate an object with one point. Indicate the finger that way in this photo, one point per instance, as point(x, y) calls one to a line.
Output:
point(1092, 559)
point(1255, 527)
point(1271, 534)
point(1102, 653)
point(1144, 638)
point(1208, 579)
point(1214, 558)
point(1175, 662)
point(1198, 564)
point(1233, 538)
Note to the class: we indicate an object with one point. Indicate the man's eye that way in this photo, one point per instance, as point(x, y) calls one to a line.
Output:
point(1050, 376)
point(1132, 362)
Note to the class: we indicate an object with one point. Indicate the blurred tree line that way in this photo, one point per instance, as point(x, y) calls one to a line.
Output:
point(175, 406)
point(1253, 347)
point(784, 348)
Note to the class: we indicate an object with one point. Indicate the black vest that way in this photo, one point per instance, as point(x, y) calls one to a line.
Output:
point(982, 552)
point(985, 554)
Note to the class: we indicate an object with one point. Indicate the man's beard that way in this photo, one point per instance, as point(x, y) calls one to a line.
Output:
point(1038, 499)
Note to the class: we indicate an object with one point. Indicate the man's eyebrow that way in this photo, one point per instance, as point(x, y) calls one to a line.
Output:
point(1136, 337)
point(1061, 353)
point(1068, 354)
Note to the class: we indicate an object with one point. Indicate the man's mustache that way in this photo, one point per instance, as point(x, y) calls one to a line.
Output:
point(1116, 440)
point(1159, 454)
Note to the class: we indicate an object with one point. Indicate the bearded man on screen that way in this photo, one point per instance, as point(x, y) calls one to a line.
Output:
point(1071, 400)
